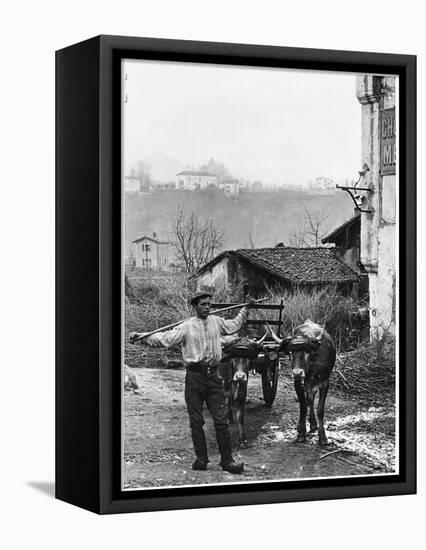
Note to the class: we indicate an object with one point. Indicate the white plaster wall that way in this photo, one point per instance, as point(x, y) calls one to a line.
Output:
point(378, 228)
point(386, 281)
point(139, 254)
point(205, 181)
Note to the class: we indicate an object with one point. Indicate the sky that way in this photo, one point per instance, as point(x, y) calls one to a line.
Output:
point(274, 125)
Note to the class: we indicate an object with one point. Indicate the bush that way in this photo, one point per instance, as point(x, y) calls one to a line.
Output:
point(158, 300)
point(368, 371)
point(326, 306)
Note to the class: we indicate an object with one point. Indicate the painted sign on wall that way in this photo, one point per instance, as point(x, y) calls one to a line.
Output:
point(387, 142)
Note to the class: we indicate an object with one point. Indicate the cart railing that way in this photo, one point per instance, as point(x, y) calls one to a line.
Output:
point(258, 322)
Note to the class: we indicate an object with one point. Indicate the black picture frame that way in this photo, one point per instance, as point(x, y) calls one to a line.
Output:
point(88, 274)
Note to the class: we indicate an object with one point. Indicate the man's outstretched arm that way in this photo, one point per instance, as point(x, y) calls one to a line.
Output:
point(167, 339)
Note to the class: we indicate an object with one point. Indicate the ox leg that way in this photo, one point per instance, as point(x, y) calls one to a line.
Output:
point(240, 382)
point(227, 373)
point(310, 396)
point(229, 407)
point(320, 411)
point(240, 421)
point(301, 426)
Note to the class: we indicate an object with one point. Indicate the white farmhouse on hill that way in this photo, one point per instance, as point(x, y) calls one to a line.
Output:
point(151, 253)
point(231, 187)
point(323, 184)
point(131, 185)
point(193, 180)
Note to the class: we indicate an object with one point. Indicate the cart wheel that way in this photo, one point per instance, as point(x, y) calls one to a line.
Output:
point(270, 382)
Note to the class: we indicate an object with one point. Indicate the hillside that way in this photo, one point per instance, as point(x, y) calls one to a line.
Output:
point(267, 217)
point(163, 167)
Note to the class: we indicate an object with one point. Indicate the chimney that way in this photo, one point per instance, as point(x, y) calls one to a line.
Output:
point(154, 235)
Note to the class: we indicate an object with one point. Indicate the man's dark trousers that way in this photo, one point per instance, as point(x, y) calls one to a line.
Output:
point(201, 387)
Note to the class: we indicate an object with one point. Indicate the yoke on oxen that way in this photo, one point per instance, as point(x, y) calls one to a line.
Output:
point(242, 355)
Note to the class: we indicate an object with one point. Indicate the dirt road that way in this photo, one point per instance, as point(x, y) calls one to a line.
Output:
point(158, 449)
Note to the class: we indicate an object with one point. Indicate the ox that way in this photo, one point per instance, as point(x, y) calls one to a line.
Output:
point(312, 354)
point(234, 369)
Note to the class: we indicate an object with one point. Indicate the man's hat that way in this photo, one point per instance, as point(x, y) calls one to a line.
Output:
point(201, 294)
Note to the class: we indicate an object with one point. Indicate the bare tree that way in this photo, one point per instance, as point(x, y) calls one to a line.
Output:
point(314, 227)
point(217, 169)
point(196, 242)
point(297, 239)
point(250, 239)
point(141, 170)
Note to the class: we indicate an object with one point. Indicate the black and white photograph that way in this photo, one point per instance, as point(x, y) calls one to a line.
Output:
point(212, 235)
point(259, 274)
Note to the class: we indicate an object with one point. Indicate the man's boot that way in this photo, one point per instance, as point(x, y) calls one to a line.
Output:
point(199, 465)
point(224, 443)
point(233, 467)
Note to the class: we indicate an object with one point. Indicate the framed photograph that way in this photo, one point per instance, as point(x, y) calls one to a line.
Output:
point(236, 290)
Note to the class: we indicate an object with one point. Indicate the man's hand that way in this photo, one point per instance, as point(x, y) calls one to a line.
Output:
point(250, 300)
point(137, 337)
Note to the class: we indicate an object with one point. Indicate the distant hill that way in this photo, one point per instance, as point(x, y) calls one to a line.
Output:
point(163, 167)
point(261, 218)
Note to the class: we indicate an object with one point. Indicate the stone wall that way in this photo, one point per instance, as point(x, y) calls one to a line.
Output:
point(228, 277)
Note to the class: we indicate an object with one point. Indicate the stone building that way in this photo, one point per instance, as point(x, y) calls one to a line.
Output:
point(151, 253)
point(379, 237)
point(347, 247)
point(287, 267)
point(231, 187)
point(131, 185)
point(193, 180)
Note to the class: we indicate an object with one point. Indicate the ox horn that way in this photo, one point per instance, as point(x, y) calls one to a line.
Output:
point(262, 339)
point(274, 336)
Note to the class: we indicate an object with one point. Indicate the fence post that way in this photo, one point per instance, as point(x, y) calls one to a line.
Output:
point(280, 318)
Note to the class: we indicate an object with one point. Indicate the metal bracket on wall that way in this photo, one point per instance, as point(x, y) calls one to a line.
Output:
point(357, 199)
point(349, 191)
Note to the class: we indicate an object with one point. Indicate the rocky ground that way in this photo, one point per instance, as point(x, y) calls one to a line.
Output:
point(158, 448)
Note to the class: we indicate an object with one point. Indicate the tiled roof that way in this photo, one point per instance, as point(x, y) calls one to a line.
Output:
point(195, 173)
point(296, 265)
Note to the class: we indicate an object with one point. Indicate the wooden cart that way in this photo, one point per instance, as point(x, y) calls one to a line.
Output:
point(267, 363)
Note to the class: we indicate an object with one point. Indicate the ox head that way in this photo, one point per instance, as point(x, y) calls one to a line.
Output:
point(241, 351)
point(299, 348)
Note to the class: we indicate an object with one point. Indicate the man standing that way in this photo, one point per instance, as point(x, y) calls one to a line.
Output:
point(202, 352)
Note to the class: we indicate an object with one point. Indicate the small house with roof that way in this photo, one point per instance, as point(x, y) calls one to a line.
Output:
point(346, 240)
point(287, 267)
point(231, 187)
point(131, 185)
point(322, 184)
point(194, 180)
point(149, 252)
